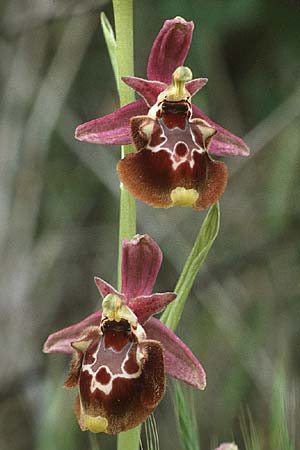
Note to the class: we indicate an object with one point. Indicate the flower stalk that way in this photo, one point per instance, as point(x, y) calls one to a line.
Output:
point(123, 15)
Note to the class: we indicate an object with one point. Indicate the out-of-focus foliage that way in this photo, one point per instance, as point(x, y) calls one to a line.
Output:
point(59, 214)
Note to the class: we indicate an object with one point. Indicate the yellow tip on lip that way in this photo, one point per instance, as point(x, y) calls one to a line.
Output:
point(184, 197)
point(95, 424)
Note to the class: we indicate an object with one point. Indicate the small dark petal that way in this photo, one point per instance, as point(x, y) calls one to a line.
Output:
point(148, 89)
point(147, 305)
point(195, 85)
point(105, 288)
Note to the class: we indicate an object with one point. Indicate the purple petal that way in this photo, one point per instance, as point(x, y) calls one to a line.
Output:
point(149, 90)
point(195, 85)
point(141, 261)
point(112, 129)
point(180, 362)
point(223, 143)
point(60, 342)
point(169, 49)
point(105, 288)
point(227, 446)
point(147, 305)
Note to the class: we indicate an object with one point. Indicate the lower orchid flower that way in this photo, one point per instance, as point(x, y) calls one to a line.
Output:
point(227, 446)
point(121, 355)
point(174, 139)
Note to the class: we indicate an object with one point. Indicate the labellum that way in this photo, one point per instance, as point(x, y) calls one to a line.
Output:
point(119, 372)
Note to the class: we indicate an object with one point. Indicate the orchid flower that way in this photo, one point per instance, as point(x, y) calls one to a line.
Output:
point(121, 354)
point(174, 139)
point(227, 446)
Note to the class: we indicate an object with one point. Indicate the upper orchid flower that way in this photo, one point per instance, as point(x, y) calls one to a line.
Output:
point(121, 354)
point(174, 139)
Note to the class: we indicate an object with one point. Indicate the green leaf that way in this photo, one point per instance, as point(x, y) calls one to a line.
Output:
point(186, 419)
point(252, 437)
point(206, 237)
point(151, 434)
point(111, 44)
point(280, 435)
point(129, 440)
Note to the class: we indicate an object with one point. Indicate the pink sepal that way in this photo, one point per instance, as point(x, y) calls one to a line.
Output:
point(195, 85)
point(105, 288)
point(180, 362)
point(146, 305)
point(149, 90)
point(141, 261)
point(169, 49)
point(60, 341)
point(113, 129)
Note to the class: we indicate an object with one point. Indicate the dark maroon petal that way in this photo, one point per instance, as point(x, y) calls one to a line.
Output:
point(147, 305)
point(123, 400)
point(180, 362)
point(151, 178)
point(105, 288)
point(112, 129)
point(195, 85)
point(223, 143)
point(149, 90)
point(169, 49)
point(60, 341)
point(141, 261)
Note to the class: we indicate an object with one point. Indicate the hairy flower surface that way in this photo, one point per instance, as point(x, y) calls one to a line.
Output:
point(121, 354)
point(174, 139)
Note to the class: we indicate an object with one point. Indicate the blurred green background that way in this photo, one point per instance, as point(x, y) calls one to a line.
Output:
point(59, 214)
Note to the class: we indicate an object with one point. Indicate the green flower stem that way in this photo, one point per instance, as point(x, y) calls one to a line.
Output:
point(123, 13)
point(130, 440)
point(206, 237)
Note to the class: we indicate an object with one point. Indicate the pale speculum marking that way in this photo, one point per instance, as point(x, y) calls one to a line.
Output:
point(101, 366)
point(179, 143)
